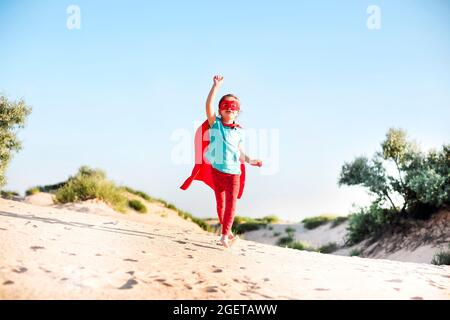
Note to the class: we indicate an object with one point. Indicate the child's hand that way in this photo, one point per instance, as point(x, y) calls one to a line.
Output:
point(218, 80)
point(256, 162)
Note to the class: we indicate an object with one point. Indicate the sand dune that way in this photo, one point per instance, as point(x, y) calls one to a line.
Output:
point(419, 243)
point(72, 253)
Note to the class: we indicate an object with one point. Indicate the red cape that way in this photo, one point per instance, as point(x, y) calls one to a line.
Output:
point(202, 169)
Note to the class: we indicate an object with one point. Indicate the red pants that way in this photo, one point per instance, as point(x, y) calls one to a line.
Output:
point(226, 190)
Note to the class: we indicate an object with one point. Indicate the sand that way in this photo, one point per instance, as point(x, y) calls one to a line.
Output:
point(417, 244)
point(89, 251)
point(317, 237)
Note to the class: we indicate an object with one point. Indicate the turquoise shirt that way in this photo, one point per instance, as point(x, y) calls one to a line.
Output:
point(223, 150)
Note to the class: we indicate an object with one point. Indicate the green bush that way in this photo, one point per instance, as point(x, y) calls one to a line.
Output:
point(300, 246)
point(421, 179)
point(171, 206)
point(9, 194)
point(314, 222)
point(187, 216)
point(289, 230)
point(368, 222)
point(244, 224)
point(32, 191)
point(200, 222)
point(241, 219)
point(328, 248)
point(442, 257)
point(141, 194)
point(338, 221)
point(270, 219)
point(248, 226)
point(91, 184)
point(137, 205)
point(284, 241)
point(355, 253)
point(13, 115)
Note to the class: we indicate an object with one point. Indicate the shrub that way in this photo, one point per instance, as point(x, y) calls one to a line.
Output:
point(244, 224)
point(248, 226)
point(276, 234)
point(284, 241)
point(289, 230)
point(32, 191)
point(91, 184)
point(171, 206)
point(314, 222)
point(328, 248)
point(141, 194)
point(300, 246)
point(9, 194)
point(270, 228)
point(338, 221)
point(137, 205)
point(13, 115)
point(442, 257)
point(368, 222)
point(270, 219)
point(200, 222)
point(355, 252)
point(421, 179)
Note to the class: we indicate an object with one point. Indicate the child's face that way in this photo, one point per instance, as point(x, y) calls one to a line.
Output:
point(228, 114)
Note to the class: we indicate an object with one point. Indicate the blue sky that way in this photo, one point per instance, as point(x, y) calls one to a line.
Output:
point(111, 94)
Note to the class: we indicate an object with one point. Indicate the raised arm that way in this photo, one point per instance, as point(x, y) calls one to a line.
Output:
point(210, 113)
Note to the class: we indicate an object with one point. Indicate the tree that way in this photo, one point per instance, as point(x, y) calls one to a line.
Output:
point(422, 180)
point(12, 117)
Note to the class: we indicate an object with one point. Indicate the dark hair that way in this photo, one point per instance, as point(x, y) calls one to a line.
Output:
point(228, 96)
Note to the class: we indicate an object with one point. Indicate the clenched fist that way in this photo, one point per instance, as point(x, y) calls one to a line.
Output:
point(218, 80)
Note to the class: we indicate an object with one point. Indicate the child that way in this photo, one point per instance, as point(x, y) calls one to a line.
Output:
point(226, 172)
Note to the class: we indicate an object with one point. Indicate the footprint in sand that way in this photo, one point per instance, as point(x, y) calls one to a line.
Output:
point(164, 282)
point(129, 284)
point(98, 255)
point(20, 270)
point(190, 256)
point(45, 270)
point(212, 289)
point(321, 289)
point(131, 260)
point(218, 271)
point(7, 282)
point(179, 241)
point(394, 280)
point(3, 229)
point(130, 272)
point(416, 298)
point(35, 248)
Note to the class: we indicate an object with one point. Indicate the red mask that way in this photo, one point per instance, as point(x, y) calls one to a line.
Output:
point(229, 105)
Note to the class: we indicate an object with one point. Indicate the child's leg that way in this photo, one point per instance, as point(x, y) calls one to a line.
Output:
point(231, 193)
point(220, 202)
point(219, 193)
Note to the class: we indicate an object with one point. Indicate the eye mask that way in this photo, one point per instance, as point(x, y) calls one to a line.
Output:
point(229, 105)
